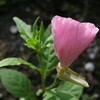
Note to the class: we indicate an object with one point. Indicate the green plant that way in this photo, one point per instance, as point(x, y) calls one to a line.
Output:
point(40, 40)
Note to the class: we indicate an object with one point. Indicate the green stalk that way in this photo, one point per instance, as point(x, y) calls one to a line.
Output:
point(56, 81)
point(42, 72)
point(43, 81)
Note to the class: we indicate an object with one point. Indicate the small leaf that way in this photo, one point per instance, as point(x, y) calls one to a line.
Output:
point(49, 95)
point(30, 96)
point(72, 88)
point(34, 28)
point(15, 61)
point(32, 43)
point(41, 31)
point(29, 33)
point(65, 91)
point(15, 82)
point(58, 95)
point(24, 29)
point(47, 34)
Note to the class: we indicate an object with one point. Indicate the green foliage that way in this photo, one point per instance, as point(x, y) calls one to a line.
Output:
point(47, 56)
point(31, 96)
point(41, 41)
point(65, 91)
point(27, 32)
point(15, 61)
point(23, 28)
point(16, 83)
point(47, 38)
point(72, 88)
point(47, 59)
point(32, 35)
point(58, 95)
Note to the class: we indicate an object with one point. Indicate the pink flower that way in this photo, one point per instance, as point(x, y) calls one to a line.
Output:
point(71, 38)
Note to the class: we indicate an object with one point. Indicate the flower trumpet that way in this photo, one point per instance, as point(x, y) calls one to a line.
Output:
point(71, 38)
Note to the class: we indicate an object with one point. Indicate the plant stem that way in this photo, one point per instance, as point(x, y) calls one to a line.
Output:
point(56, 81)
point(41, 70)
point(43, 81)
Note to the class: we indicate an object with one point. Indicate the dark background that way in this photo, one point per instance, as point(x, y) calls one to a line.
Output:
point(11, 45)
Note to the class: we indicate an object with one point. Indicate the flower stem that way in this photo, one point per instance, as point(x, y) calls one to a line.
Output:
point(43, 81)
point(56, 81)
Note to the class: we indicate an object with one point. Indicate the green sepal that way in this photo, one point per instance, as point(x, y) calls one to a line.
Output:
point(68, 74)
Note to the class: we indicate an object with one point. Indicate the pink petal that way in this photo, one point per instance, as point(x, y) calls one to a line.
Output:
point(71, 38)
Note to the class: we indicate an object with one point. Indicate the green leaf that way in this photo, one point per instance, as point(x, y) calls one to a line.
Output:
point(24, 29)
point(58, 95)
point(65, 91)
point(32, 35)
point(47, 33)
point(49, 95)
point(31, 96)
point(15, 61)
point(72, 88)
point(15, 82)
point(35, 28)
point(32, 43)
point(47, 60)
point(41, 31)
point(47, 56)
point(47, 37)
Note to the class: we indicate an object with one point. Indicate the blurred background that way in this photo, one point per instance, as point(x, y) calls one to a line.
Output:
point(11, 45)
